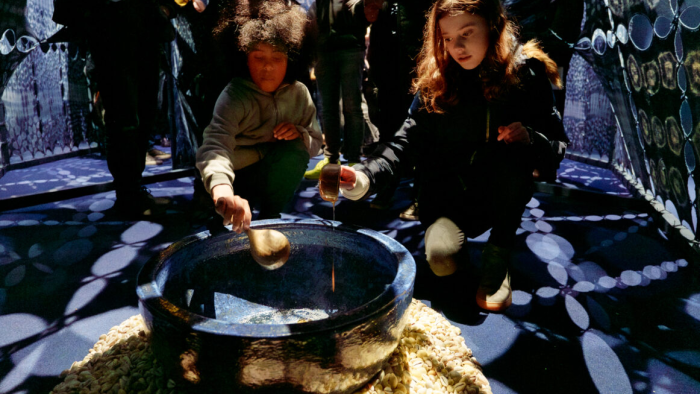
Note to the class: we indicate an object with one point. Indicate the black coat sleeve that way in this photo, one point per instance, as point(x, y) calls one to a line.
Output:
point(388, 161)
point(544, 121)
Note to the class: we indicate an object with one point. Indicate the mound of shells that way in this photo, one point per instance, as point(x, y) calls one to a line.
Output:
point(431, 358)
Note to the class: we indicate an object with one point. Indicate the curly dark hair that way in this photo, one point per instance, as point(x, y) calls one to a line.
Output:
point(279, 23)
point(243, 23)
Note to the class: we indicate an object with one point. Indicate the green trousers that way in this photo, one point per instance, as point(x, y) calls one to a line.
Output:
point(270, 183)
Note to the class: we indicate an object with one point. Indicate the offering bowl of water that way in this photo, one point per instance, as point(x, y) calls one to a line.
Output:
point(323, 323)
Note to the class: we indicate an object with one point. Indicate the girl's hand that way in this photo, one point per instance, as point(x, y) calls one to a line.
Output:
point(234, 209)
point(286, 131)
point(348, 176)
point(515, 132)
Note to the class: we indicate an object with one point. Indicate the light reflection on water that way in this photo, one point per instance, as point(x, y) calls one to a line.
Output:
point(286, 316)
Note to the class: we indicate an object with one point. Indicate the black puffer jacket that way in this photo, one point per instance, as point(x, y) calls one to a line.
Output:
point(444, 145)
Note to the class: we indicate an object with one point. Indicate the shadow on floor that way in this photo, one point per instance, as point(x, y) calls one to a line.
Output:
point(602, 302)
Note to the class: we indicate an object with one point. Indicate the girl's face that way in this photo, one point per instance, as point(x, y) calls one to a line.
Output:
point(466, 38)
point(267, 67)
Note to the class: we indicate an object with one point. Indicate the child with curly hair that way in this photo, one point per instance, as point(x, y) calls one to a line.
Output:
point(264, 128)
point(482, 122)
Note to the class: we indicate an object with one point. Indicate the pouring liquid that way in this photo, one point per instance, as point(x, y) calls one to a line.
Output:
point(329, 188)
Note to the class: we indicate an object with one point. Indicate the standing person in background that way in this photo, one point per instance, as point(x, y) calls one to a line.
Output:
point(124, 38)
point(483, 119)
point(395, 41)
point(340, 50)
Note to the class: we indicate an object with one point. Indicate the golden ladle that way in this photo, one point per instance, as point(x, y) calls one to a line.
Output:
point(270, 248)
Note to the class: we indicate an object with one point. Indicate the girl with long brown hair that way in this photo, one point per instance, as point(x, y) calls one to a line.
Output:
point(483, 120)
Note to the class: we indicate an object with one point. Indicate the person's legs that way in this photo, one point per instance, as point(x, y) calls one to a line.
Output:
point(270, 183)
point(148, 85)
point(498, 187)
point(119, 92)
point(444, 246)
point(126, 70)
point(351, 65)
point(248, 183)
point(284, 167)
point(510, 188)
point(328, 81)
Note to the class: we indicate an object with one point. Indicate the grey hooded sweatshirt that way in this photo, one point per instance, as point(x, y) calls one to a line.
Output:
point(242, 124)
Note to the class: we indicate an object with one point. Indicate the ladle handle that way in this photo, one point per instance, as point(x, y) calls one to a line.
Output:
point(216, 227)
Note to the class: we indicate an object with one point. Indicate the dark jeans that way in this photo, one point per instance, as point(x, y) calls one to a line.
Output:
point(270, 183)
point(492, 194)
point(341, 72)
point(126, 55)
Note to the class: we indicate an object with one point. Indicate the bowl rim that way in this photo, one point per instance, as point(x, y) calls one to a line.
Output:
point(151, 298)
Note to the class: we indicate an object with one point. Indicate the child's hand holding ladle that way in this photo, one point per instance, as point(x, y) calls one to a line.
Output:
point(270, 248)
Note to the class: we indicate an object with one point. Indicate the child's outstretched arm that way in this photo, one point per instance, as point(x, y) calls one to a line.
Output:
point(215, 161)
point(234, 209)
point(215, 156)
point(384, 165)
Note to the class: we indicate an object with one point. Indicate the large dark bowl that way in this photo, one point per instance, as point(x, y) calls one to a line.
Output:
point(221, 323)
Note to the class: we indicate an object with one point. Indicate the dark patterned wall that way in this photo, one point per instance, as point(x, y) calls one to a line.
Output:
point(588, 117)
point(44, 91)
point(46, 107)
point(646, 54)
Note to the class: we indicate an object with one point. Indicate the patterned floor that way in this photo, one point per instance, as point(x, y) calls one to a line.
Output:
point(65, 174)
point(576, 175)
point(602, 302)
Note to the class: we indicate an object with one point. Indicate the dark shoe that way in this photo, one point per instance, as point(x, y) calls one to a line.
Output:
point(494, 292)
point(141, 204)
point(159, 154)
point(411, 213)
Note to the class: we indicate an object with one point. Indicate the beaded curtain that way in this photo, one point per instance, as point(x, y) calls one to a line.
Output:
point(646, 54)
point(588, 118)
point(587, 114)
point(45, 101)
point(45, 107)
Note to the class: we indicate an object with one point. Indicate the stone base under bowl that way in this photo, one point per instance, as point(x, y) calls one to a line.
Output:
point(126, 352)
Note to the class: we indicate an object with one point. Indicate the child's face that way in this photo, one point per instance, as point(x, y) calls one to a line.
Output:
point(466, 38)
point(267, 66)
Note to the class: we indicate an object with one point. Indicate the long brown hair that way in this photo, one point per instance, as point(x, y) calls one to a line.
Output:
point(437, 71)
